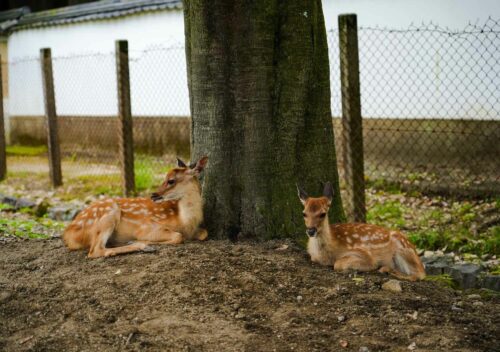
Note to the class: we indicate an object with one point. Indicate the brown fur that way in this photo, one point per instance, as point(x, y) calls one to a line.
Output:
point(362, 247)
point(174, 218)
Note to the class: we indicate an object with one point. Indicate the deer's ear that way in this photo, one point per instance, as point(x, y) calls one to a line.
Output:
point(199, 166)
point(328, 192)
point(302, 194)
point(181, 163)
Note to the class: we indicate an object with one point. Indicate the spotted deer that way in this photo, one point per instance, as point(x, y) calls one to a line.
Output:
point(361, 247)
point(171, 216)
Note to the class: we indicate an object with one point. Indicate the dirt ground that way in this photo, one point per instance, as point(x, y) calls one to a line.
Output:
point(223, 296)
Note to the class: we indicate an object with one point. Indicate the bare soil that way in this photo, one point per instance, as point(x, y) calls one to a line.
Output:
point(223, 296)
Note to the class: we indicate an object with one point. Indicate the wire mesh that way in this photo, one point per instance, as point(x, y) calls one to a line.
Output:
point(430, 105)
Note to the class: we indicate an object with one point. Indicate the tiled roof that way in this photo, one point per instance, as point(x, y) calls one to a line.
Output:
point(98, 10)
point(10, 18)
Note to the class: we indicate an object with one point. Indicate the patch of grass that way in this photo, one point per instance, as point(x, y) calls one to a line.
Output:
point(7, 207)
point(25, 150)
point(41, 228)
point(145, 174)
point(383, 184)
point(445, 280)
point(459, 239)
point(389, 213)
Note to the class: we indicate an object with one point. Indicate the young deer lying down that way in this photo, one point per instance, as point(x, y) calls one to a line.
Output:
point(172, 215)
point(360, 247)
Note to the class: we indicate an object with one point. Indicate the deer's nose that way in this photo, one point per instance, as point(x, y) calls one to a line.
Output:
point(155, 197)
point(311, 231)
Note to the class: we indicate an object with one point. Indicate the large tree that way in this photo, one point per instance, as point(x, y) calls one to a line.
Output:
point(259, 86)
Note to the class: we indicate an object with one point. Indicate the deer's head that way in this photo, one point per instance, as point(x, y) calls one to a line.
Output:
point(180, 179)
point(316, 209)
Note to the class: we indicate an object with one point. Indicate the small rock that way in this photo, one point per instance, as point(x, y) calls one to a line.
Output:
point(412, 346)
point(118, 272)
point(341, 318)
point(5, 295)
point(62, 213)
point(283, 247)
point(9, 200)
point(364, 349)
point(413, 316)
point(456, 309)
point(478, 304)
point(474, 296)
point(428, 254)
point(491, 282)
point(299, 299)
point(240, 316)
point(212, 278)
point(24, 203)
point(344, 343)
point(392, 286)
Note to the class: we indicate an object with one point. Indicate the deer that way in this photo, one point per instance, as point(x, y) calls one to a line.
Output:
point(171, 215)
point(356, 246)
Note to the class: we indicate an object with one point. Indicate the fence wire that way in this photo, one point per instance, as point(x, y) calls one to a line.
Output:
point(429, 97)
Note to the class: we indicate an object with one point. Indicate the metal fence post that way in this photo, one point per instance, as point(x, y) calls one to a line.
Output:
point(51, 117)
point(352, 141)
point(3, 154)
point(125, 132)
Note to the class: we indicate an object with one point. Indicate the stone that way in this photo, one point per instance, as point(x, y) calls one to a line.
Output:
point(299, 299)
point(478, 304)
point(42, 208)
point(392, 286)
point(491, 282)
point(24, 203)
point(466, 275)
point(437, 268)
point(9, 200)
point(341, 318)
point(474, 296)
point(62, 213)
point(364, 349)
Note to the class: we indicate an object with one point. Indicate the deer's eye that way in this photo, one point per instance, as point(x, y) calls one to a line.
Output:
point(171, 182)
point(322, 215)
point(304, 214)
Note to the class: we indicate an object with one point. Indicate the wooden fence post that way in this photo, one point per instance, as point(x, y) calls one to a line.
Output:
point(51, 117)
point(125, 132)
point(352, 126)
point(3, 154)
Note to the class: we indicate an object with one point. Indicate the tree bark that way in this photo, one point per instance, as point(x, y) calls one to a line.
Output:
point(259, 86)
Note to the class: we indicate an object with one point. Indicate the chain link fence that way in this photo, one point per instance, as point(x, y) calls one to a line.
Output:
point(430, 102)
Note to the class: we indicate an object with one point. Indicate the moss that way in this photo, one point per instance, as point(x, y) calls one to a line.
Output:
point(444, 280)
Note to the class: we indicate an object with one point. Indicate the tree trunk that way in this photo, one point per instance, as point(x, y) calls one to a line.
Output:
point(259, 86)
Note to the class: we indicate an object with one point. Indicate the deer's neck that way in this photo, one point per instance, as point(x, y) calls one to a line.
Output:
point(190, 210)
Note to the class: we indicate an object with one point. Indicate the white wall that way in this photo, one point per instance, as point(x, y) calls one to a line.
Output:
point(84, 66)
point(421, 75)
point(398, 79)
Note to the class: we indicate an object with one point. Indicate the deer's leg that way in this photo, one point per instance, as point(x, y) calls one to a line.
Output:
point(355, 260)
point(102, 231)
point(162, 235)
point(201, 234)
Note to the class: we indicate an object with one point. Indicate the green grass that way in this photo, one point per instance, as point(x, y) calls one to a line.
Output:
point(445, 280)
point(389, 213)
point(24, 150)
point(29, 228)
